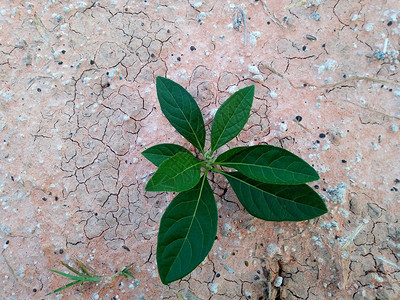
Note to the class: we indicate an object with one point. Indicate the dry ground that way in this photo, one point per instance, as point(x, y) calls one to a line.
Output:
point(78, 106)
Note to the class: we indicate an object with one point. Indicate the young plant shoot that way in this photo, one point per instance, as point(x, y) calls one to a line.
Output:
point(270, 182)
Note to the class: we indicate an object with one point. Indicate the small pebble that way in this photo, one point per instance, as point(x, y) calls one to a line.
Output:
point(273, 94)
point(322, 135)
point(310, 37)
point(389, 23)
point(299, 118)
point(380, 55)
point(192, 48)
point(278, 281)
point(316, 16)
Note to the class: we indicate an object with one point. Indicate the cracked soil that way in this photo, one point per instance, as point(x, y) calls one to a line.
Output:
point(78, 106)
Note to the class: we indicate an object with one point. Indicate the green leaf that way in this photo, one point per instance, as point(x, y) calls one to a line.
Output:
point(271, 164)
point(178, 173)
point(277, 202)
point(187, 232)
point(182, 111)
point(229, 153)
point(158, 153)
point(231, 117)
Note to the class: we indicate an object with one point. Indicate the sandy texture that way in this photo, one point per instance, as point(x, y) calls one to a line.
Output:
point(78, 106)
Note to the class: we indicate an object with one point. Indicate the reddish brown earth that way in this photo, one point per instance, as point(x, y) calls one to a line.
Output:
point(78, 106)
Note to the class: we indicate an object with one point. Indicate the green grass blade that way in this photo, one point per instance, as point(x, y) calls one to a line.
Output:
point(72, 277)
point(125, 271)
point(182, 111)
point(72, 269)
point(179, 173)
point(187, 232)
point(92, 278)
point(84, 269)
point(64, 287)
point(231, 117)
point(126, 274)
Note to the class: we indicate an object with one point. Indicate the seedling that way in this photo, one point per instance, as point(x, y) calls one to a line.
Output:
point(79, 278)
point(268, 181)
point(125, 271)
point(84, 275)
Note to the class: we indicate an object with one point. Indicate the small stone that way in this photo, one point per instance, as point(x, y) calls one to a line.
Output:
point(380, 55)
point(299, 118)
point(278, 281)
point(395, 128)
point(322, 135)
point(273, 94)
point(192, 48)
point(254, 70)
point(316, 16)
point(310, 37)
